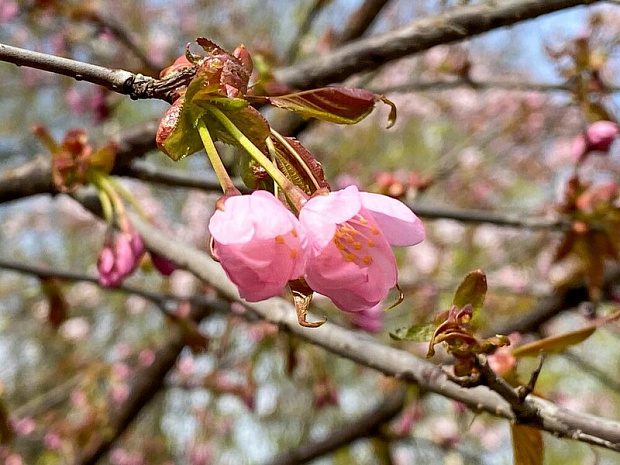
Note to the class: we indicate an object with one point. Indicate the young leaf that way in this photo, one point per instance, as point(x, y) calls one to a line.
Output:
point(415, 333)
point(527, 445)
point(472, 290)
point(560, 342)
point(298, 164)
point(340, 105)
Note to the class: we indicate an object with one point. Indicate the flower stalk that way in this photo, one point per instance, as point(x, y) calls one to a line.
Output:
point(292, 192)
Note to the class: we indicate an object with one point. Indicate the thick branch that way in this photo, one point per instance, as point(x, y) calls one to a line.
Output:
point(117, 80)
point(365, 426)
point(456, 24)
point(145, 383)
point(362, 55)
point(368, 352)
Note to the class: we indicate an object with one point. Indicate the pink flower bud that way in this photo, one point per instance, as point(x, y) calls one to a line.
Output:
point(117, 261)
point(124, 257)
point(163, 265)
point(597, 138)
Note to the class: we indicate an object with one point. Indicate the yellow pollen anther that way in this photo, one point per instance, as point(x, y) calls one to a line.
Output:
point(339, 245)
point(349, 257)
point(279, 239)
point(294, 232)
point(357, 246)
point(350, 239)
point(293, 253)
point(375, 231)
point(370, 243)
point(362, 220)
point(367, 259)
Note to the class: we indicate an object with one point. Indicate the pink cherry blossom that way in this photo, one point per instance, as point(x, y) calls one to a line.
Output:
point(259, 243)
point(350, 259)
point(597, 138)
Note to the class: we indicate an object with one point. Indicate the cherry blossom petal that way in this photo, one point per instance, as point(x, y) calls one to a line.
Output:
point(400, 226)
point(259, 243)
point(324, 212)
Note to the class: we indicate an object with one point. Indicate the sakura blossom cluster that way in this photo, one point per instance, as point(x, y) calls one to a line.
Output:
point(339, 245)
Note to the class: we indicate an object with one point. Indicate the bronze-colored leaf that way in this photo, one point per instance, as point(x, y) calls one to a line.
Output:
point(560, 342)
point(298, 164)
point(340, 105)
point(527, 445)
point(56, 301)
point(472, 290)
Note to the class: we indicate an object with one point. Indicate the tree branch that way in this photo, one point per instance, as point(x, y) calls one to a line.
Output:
point(456, 24)
point(362, 55)
point(369, 353)
point(35, 177)
point(361, 20)
point(164, 301)
point(366, 426)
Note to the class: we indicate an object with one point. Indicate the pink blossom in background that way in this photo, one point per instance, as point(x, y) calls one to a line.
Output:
point(350, 259)
point(597, 138)
point(8, 10)
point(23, 426)
point(259, 243)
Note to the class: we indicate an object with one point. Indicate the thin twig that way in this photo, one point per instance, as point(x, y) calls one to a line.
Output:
point(166, 302)
point(365, 426)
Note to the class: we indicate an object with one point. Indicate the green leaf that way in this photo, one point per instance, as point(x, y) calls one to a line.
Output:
point(176, 135)
point(527, 445)
point(340, 105)
point(472, 290)
point(415, 333)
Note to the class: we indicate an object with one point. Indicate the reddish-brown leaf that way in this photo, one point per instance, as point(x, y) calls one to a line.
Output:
point(340, 105)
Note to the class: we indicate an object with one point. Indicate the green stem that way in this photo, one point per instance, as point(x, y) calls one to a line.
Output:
point(124, 192)
point(102, 182)
point(216, 162)
point(294, 194)
point(106, 206)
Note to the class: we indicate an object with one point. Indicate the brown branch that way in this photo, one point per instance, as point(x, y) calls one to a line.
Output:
point(305, 26)
point(366, 426)
point(121, 34)
point(362, 55)
point(561, 299)
point(166, 302)
point(370, 353)
point(177, 178)
point(451, 84)
point(144, 385)
point(181, 178)
point(455, 24)
point(361, 20)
